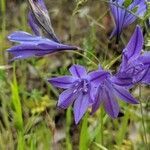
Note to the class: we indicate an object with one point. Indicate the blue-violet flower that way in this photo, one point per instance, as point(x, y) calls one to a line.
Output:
point(108, 92)
point(135, 62)
point(125, 14)
point(79, 89)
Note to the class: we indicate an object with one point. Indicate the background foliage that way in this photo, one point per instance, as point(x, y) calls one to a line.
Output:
point(29, 118)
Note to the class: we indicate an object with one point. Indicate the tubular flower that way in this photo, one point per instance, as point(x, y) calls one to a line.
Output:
point(107, 93)
point(124, 14)
point(37, 45)
point(32, 45)
point(79, 89)
point(135, 63)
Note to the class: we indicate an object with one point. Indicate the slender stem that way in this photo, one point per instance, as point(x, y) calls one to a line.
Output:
point(84, 57)
point(142, 114)
point(102, 125)
point(92, 55)
point(68, 125)
point(146, 28)
point(112, 62)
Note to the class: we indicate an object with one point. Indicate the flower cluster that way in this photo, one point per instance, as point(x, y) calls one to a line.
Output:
point(84, 89)
point(100, 87)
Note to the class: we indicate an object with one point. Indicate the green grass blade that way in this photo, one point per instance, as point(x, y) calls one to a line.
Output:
point(18, 120)
point(84, 135)
point(123, 128)
point(68, 124)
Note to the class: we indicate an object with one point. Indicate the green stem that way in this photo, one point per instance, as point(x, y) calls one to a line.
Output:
point(142, 114)
point(84, 57)
point(102, 127)
point(112, 62)
point(68, 124)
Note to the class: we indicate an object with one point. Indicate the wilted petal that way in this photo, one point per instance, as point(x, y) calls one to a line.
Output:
point(110, 104)
point(78, 71)
point(134, 47)
point(124, 94)
point(66, 98)
point(96, 77)
point(41, 4)
point(34, 24)
point(62, 82)
point(41, 14)
point(81, 104)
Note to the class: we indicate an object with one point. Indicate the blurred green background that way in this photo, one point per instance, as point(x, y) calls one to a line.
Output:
point(29, 118)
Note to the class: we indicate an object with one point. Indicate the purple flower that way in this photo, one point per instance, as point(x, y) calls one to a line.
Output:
point(37, 45)
point(32, 45)
point(135, 68)
point(135, 63)
point(122, 15)
point(79, 89)
point(108, 92)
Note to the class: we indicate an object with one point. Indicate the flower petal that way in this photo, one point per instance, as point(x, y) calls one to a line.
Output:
point(140, 7)
point(145, 58)
point(62, 82)
point(98, 99)
point(143, 76)
point(122, 16)
point(122, 79)
point(36, 47)
point(134, 47)
point(78, 71)
point(146, 78)
point(96, 77)
point(23, 37)
point(110, 104)
point(34, 24)
point(124, 95)
point(119, 16)
point(66, 98)
point(81, 104)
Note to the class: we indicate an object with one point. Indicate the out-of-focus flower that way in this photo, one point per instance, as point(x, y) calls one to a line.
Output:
point(108, 92)
point(135, 63)
point(124, 14)
point(79, 89)
point(37, 45)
